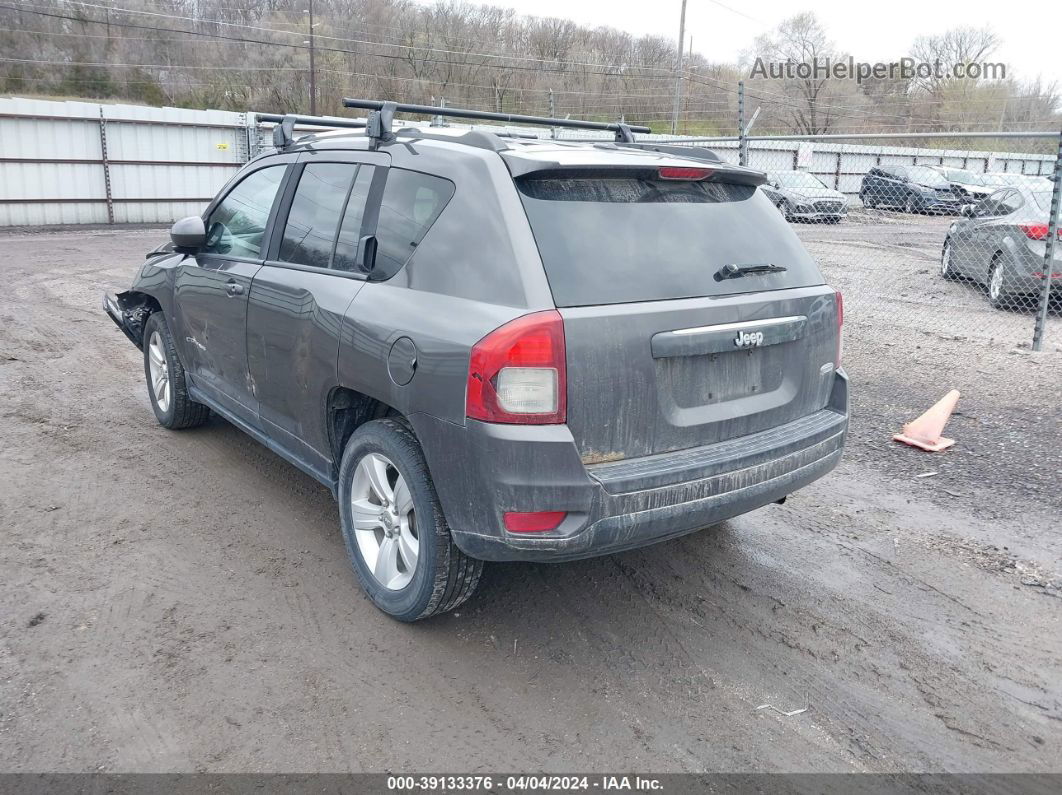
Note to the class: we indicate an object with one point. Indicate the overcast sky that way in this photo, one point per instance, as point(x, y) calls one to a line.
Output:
point(870, 31)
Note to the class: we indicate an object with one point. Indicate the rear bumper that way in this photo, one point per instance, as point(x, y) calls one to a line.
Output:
point(482, 470)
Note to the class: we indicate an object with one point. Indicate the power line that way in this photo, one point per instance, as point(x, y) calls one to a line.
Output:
point(401, 58)
point(364, 41)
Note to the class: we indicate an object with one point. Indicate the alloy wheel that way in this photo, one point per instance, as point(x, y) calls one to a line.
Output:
point(384, 521)
point(159, 369)
point(995, 283)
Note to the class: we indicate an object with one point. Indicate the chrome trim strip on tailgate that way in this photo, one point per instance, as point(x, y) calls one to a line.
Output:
point(728, 336)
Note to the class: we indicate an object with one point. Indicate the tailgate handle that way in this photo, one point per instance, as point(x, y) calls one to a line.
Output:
point(726, 337)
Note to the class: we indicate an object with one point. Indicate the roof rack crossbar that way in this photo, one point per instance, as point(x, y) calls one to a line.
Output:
point(623, 131)
point(284, 131)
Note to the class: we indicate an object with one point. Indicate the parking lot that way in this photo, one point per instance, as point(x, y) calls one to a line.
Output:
point(182, 601)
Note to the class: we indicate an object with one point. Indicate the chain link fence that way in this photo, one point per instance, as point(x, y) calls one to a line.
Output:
point(957, 241)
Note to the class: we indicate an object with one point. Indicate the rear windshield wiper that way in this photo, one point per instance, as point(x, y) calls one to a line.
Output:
point(735, 271)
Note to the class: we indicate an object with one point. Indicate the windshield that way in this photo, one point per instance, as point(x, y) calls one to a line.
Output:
point(798, 179)
point(926, 176)
point(612, 239)
point(964, 177)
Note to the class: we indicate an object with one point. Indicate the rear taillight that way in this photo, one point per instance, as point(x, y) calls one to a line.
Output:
point(516, 373)
point(1038, 231)
point(840, 329)
point(684, 172)
point(533, 522)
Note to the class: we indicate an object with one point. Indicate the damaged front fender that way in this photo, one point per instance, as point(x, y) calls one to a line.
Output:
point(130, 310)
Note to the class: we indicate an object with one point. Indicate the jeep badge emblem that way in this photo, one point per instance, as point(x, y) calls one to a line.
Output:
point(749, 339)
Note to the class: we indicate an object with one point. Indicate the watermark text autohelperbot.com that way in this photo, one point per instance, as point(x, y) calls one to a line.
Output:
point(849, 68)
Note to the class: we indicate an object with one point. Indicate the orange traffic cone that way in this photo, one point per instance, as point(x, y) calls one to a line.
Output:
point(925, 432)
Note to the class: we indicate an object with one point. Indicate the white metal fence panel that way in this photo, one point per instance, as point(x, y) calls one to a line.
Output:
point(81, 162)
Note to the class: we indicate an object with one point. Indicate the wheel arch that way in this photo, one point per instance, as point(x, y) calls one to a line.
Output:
point(136, 307)
point(345, 411)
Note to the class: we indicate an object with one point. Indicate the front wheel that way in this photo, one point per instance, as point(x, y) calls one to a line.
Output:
point(167, 385)
point(396, 535)
point(947, 268)
point(910, 205)
point(996, 296)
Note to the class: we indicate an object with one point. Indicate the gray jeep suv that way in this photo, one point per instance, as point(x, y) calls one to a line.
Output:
point(495, 348)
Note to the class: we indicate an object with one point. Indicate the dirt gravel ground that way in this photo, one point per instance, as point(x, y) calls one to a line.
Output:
point(182, 601)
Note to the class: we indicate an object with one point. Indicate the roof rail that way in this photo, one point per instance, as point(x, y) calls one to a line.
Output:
point(382, 115)
point(283, 133)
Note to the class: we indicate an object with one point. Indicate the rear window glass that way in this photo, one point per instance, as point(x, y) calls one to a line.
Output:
point(609, 239)
point(411, 202)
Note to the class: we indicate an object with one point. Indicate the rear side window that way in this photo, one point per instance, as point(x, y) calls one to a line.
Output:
point(346, 257)
point(313, 219)
point(617, 239)
point(411, 203)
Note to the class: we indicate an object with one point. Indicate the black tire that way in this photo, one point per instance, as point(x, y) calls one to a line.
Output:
point(787, 211)
point(911, 205)
point(180, 411)
point(868, 202)
point(947, 269)
point(444, 576)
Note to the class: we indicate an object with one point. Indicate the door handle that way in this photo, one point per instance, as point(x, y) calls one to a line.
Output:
point(233, 289)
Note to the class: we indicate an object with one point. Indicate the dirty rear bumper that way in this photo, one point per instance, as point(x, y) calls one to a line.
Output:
point(619, 505)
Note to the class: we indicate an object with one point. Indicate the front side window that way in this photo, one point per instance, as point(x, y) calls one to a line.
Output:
point(411, 202)
point(236, 225)
point(991, 205)
point(313, 220)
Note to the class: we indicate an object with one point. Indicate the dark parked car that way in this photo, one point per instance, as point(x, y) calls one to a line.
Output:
point(493, 348)
point(967, 185)
point(916, 189)
point(1001, 243)
point(803, 196)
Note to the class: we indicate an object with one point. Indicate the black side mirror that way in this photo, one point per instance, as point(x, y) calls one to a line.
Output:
point(367, 253)
point(188, 234)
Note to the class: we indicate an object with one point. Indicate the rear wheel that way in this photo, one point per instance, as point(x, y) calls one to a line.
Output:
point(167, 385)
point(396, 535)
point(868, 202)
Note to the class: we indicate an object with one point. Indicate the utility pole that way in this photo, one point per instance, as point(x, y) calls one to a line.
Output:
point(313, 69)
point(743, 156)
point(678, 71)
point(552, 114)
